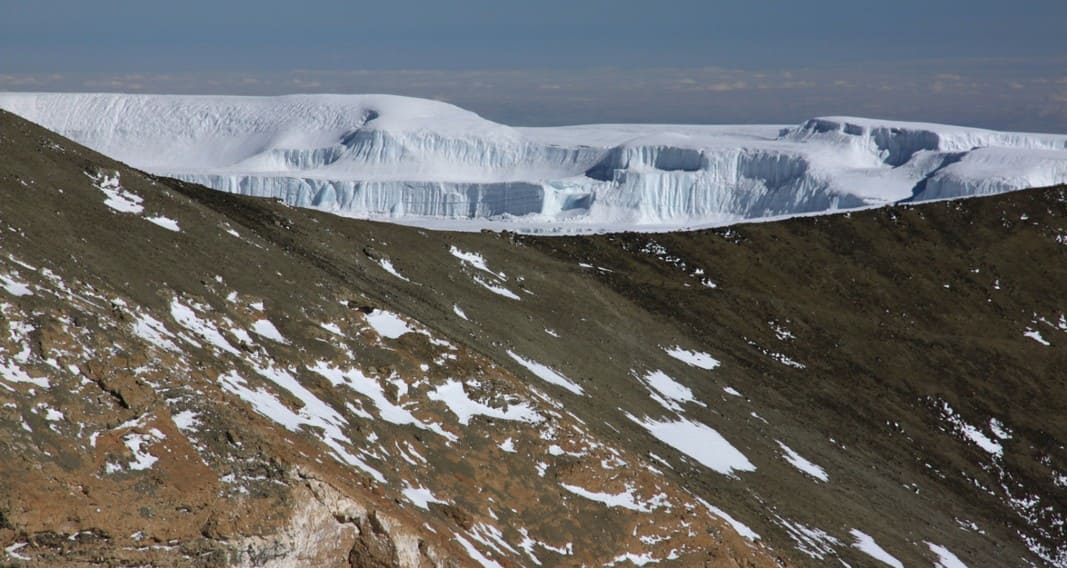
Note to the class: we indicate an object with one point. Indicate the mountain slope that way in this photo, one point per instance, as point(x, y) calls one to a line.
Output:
point(435, 165)
point(184, 386)
point(275, 384)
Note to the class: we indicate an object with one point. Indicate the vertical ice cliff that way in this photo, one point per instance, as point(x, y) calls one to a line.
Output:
point(430, 163)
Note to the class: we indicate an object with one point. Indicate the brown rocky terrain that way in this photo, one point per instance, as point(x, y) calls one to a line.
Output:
point(185, 387)
point(193, 378)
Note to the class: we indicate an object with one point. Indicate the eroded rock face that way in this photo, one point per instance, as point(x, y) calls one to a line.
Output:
point(325, 528)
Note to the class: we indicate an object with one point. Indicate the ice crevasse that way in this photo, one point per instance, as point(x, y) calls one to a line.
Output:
point(433, 164)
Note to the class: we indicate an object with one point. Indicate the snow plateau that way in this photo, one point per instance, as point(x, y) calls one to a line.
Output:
point(432, 164)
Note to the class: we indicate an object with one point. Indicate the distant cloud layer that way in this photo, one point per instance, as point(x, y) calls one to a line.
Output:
point(1009, 94)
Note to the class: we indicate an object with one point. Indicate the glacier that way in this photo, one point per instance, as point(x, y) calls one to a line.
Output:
point(431, 164)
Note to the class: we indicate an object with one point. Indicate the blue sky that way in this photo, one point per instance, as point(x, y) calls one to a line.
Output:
point(988, 63)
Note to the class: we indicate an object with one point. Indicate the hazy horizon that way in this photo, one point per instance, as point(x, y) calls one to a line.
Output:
point(990, 65)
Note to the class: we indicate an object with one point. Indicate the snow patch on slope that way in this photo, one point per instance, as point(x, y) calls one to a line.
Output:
point(460, 403)
point(741, 528)
point(626, 500)
point(165, 222)
point(387, 324)
point(547, 374)
point(14, 287)
point(798, 461)
point(693, 358)
point(868, 546)
point(945, 557)
point(264, 328)
point(698, 441)
point(314, 414)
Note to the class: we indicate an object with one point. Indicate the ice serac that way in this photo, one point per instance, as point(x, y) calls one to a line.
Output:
point(433, 164)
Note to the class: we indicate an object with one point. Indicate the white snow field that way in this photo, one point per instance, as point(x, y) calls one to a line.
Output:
point(431, 164)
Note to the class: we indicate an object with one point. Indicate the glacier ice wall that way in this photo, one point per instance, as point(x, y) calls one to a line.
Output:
point(430, 163)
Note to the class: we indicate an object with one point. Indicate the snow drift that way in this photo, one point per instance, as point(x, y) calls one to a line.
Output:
point(433, 164)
